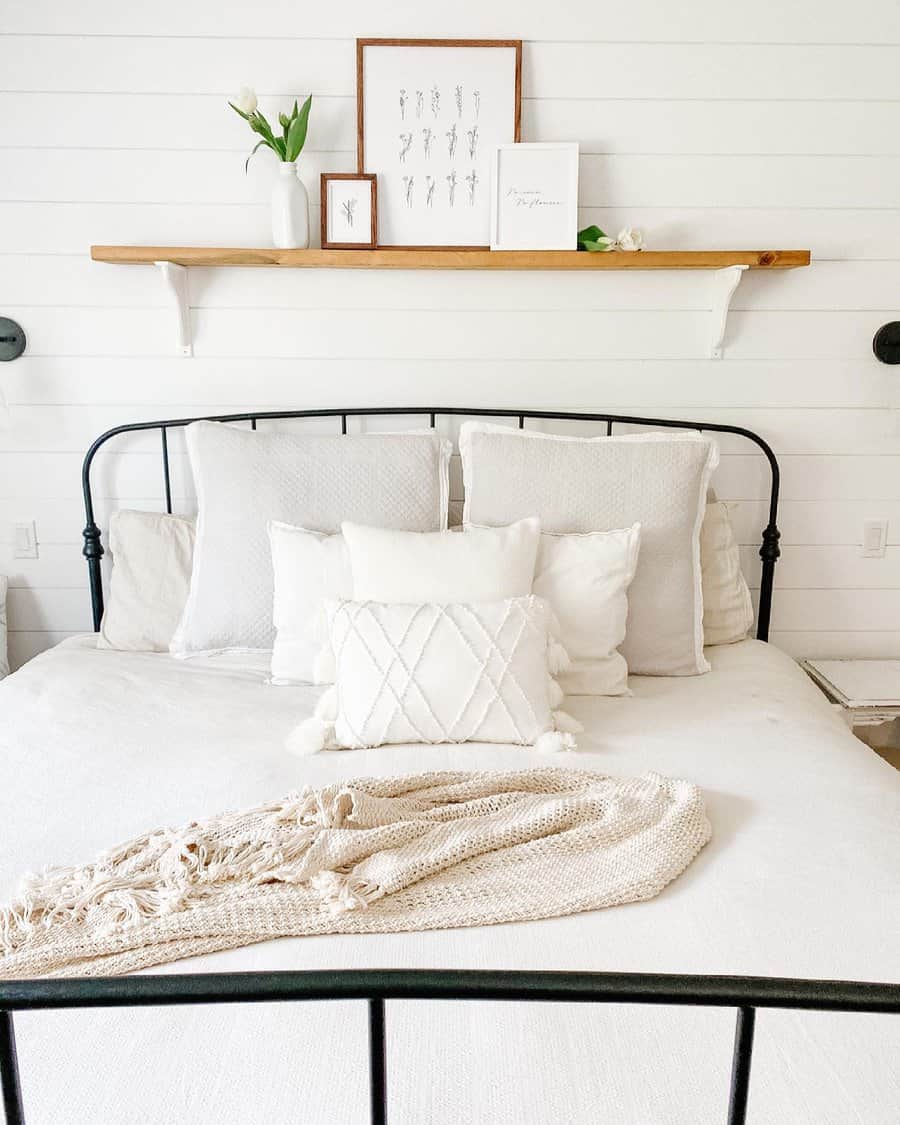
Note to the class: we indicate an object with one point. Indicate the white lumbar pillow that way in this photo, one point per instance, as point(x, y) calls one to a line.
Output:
point(599, 484)
point(246, 478)
point(151, 574)
point(310, 568)
point(727, 608)
point(483, 564)
point(585, 580)
point(437, 673)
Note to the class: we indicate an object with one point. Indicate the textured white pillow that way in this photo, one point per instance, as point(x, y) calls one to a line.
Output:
point(598, 484)
point(727, 608)
point(245, 478)
point(585, 580)
point(432, 673)
point(480, 565)
point(4, 659)
point(151, 575)
point(310, 569)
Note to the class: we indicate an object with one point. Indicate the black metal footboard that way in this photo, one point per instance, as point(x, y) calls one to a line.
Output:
point(746, 994)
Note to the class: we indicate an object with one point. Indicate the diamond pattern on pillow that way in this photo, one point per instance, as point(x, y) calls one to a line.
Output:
point(433, 673)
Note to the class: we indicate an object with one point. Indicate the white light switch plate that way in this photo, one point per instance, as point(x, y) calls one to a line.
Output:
point(875, 533)
point(25, 541)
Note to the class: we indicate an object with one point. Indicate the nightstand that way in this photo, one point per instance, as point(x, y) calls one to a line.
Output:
point(868, 693)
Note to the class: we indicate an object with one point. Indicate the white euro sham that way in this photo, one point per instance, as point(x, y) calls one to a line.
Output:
point(598, 484)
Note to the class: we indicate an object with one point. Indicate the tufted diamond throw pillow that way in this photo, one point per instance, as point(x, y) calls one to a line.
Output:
point(598, 484)
point(245, 478)
point(432, 673)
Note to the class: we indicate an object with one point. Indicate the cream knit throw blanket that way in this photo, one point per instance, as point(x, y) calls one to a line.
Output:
point(376, 855)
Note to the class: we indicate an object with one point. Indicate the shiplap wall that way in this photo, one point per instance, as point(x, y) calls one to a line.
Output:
point(711, 125)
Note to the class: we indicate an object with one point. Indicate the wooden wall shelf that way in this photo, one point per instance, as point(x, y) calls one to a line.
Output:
point(726, 268)
point(452, 259)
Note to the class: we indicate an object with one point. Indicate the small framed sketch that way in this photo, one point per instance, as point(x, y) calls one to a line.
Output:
point(429, 113)
point(349, 211)
point(534, 197)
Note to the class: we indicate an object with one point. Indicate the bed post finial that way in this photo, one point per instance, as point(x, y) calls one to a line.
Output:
point(93, 552)
point(769, 552)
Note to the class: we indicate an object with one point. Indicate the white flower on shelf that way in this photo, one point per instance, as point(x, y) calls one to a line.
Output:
point(246, 100)
point(630, 238)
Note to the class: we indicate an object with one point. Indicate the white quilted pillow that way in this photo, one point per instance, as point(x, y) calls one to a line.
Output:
point(431, 673)
point(727, 608)
point(246, 478)
point(598, 484)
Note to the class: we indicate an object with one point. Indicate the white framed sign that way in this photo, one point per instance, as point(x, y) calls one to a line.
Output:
point(534, 197)
point(429, 113)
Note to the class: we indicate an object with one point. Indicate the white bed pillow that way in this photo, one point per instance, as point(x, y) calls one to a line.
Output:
point(585, 580)
point(727, 608)
point(310, 568)
point(436, 673)
point(151, 573)
point(481, 564)
point(599, 484)
point(4, 657)
point(245, 478)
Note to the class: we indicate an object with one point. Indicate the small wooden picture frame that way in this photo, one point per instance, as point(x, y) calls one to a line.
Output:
point(349, 211)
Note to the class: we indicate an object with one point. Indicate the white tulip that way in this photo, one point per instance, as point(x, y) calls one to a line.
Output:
point(630, 238)
point(246, 100)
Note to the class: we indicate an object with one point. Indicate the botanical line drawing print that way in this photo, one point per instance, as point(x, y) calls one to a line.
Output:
point(435, 101)
point(471, 181)
point(472, 138)
point(348, 207)
point(403, 101)
point(420, 102)
point(459, 100)
point(408, 182)
point(406, 140)
point(476, 98)
point(451, 141)
point(451, 187)
point(429, 191)
point(427, 138)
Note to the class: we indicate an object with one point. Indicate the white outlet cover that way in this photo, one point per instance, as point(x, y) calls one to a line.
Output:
point(875, 533)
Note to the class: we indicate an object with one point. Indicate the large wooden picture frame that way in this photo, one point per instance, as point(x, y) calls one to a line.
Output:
point(429, 115)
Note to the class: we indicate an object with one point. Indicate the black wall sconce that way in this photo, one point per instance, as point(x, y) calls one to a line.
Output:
point(12, 339)
point(886, 344)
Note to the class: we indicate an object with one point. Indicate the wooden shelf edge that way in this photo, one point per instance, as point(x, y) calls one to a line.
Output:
point(451, 259)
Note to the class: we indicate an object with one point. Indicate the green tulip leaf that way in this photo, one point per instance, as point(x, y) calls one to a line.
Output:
point(296, 136)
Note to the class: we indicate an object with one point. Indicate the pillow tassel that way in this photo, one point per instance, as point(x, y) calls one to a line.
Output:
point(311, 736)
point(553, 741)
point(316, 733)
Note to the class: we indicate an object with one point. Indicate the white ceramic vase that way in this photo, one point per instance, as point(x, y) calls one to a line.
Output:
point(290, 209)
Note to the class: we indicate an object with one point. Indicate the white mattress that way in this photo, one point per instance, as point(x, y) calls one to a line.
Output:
point(800, 879)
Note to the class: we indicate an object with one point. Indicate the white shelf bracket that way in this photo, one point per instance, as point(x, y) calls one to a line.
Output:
point(175, 279)
point(724, 282)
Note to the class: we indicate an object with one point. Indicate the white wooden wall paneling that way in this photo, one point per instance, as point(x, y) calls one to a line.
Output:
point(710, 125)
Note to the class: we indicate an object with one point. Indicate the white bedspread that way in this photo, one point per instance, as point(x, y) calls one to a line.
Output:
point(800, 879)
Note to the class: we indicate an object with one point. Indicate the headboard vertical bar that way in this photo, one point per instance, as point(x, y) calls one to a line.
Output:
point(165, 455)
point(343, 423)
point(252, 423)
point(432, 419)
point(521, 421)
point(608, 427)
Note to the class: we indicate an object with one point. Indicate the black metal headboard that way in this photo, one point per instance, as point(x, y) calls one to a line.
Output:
point(93, 548)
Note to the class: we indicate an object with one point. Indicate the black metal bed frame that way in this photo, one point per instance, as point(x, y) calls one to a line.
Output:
point(746, 994)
